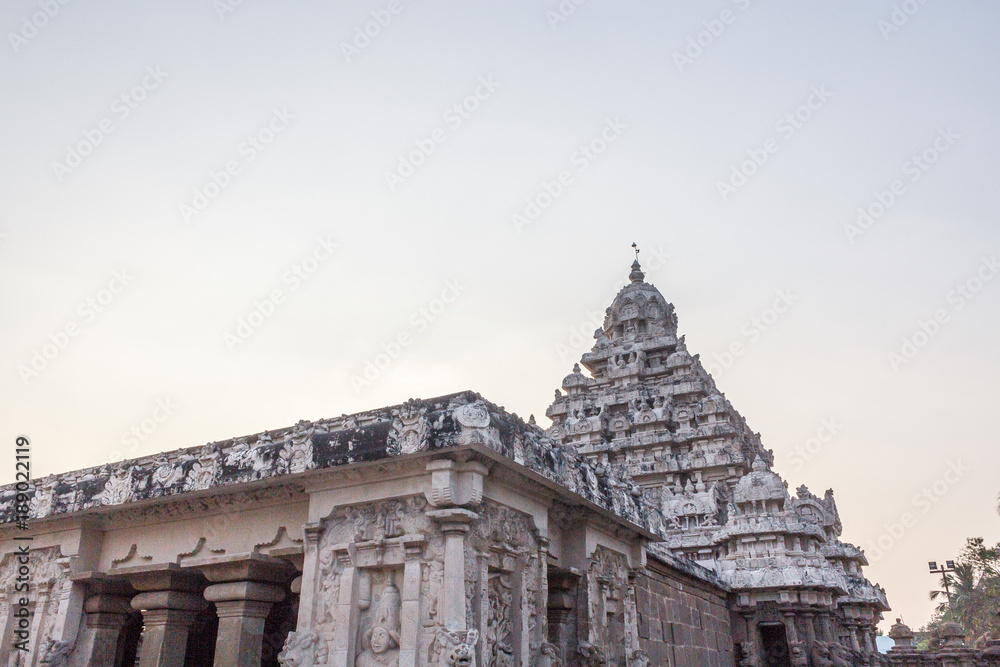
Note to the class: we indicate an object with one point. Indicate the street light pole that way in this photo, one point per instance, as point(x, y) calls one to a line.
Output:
point(949, 566)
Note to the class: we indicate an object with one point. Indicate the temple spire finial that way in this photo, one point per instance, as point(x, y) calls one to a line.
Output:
point(636, 275)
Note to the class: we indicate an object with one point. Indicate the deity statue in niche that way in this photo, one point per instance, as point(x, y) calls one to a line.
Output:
point(380, 642)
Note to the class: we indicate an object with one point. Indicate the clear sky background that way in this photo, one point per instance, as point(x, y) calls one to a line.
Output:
point(94, 239)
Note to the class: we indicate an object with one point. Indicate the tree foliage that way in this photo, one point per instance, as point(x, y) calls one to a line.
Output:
point(975, 591)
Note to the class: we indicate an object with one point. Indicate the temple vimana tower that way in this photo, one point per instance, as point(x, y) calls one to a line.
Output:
point(644, 527)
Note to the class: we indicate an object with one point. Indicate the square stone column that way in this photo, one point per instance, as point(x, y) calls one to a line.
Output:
point(243, 588)
point(454, 524)
point(167, 617)
point(242, 607)
point(169, 601)
point(106, 615)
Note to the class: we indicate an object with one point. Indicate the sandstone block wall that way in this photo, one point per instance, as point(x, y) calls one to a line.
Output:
point(683, 622)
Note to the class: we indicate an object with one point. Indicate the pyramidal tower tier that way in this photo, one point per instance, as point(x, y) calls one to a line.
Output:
point(651, 407)
point(650, 413)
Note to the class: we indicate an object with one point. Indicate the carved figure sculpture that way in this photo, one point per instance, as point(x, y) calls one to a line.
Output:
point(303, 649)
point(456, 648)
point(380, 643)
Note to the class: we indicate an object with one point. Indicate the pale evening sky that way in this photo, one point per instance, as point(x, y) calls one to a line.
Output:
point(468, 181)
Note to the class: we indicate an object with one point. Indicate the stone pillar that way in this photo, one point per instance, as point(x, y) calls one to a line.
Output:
point(167, 617)
point(345, 614)
point(454, 525)
point(242, 607)
point(310, 569)
point(855, 646)
point(106, 615)
point(410, 612)
point(825, 630)
point(810, 623)
point(793, 635)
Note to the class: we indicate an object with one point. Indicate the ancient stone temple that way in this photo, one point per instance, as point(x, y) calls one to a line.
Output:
point(644, 527)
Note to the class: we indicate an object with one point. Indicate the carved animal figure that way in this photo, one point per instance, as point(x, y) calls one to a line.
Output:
point(839, 656)
point(549, 656)
point(638, 658)
point(821, 655)
point(592, 656)
point(456, 648)
point(797, 654)
point(303, 649)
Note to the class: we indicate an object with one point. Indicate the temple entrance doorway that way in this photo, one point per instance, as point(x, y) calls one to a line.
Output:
point(774, 645)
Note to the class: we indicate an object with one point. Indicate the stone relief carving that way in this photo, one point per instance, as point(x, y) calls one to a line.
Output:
point(548, 655)
point(592, 656)
point(41, 502)
point(379, 635)
point(499, 627)
point(204, 470)
point(303, 649)
point(297, 452)
point(638, 658)
point(472, 415)
point(118, 489)
point(454, 648)
point(410, 430)
point(56, 652)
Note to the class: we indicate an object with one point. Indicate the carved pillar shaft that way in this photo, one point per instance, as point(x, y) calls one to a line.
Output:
point(41, 611)
point(454, 525)
point(242, 607)
point(167, 617)
point(310, 570)
point(793, 635)
point(854, 640)
point(825, 630)
point(410, 607)
point(454, 576)
point(343, 651)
